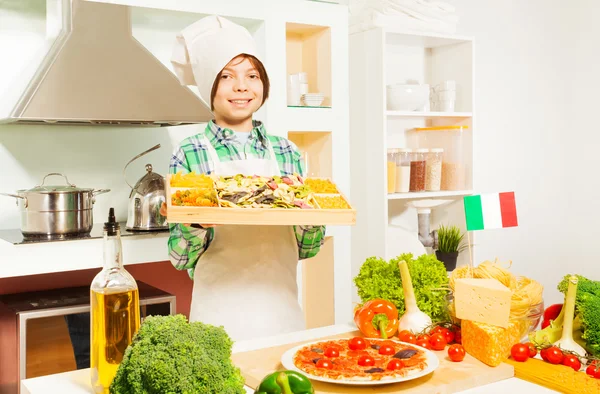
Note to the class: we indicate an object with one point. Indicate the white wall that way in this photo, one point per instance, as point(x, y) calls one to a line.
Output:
point(534, 64)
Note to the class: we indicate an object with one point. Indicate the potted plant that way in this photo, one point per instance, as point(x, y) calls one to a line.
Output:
point(449, 245)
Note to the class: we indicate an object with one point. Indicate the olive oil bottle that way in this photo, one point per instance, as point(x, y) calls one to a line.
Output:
point(115, 310)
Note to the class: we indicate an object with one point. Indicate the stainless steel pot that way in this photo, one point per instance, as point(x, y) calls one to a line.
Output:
point(56, 210)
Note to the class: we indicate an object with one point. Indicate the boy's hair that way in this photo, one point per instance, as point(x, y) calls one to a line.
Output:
point(262, 72)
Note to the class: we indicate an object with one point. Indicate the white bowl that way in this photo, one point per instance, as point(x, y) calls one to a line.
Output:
point(312, 101)
point(407, 97)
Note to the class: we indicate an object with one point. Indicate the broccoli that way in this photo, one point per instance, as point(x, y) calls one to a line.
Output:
point(586, 324)
point(381, 279)
point(170, 355)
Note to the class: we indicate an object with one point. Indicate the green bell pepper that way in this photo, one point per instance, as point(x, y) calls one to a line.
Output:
point(285, 382)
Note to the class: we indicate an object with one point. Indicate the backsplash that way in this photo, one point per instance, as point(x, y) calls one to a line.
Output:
point(90, 156)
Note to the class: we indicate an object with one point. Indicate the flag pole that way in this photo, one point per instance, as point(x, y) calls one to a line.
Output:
point(471, 267)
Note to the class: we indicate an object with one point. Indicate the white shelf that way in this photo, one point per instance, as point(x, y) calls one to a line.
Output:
point(309, 119)
point(49, 257)
point(421, 195)
point(425, 40)
point(428, 115)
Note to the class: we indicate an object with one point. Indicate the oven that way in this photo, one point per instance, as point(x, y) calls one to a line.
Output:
point(52, 331)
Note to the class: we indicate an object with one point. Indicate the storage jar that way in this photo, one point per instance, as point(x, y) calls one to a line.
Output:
point(403, 170)
point(391, 170)
point(433, 176)
point(453, 141)
point(418, 167)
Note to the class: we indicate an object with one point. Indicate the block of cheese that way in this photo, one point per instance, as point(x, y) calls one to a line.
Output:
point(482, 300)
point(489, 344)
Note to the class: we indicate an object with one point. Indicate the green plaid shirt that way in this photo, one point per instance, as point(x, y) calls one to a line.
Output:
point(187, 244)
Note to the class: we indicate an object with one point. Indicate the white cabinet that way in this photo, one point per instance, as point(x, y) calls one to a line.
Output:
point(380, 57)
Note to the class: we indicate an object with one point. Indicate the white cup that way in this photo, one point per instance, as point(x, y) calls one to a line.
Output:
point(445, 105)
point(293, 90)
point(303, 77)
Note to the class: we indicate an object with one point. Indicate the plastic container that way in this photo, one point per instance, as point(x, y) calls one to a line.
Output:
point(418, 168)
point(433, 176)
point(115, 310)
point(403, 170)
point(453, 140)
point(391, 170)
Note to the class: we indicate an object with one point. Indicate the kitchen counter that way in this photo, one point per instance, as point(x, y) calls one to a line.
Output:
point(78, 382)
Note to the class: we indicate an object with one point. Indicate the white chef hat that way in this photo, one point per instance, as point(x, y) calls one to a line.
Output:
point(205, 47)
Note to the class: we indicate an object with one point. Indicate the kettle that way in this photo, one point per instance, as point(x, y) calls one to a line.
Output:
point(145, 199)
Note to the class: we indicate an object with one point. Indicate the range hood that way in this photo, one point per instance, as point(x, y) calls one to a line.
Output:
point(95, 72)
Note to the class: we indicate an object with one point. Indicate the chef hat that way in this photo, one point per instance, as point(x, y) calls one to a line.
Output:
point(205, 47)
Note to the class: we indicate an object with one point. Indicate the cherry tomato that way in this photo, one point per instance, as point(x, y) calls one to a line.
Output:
point(395, 364)
point(423, 343)
point(532, 349)
point(322, 363)
point(458, 336)
point(456, 352)
point(519, 352)
point(407, 336)
point(448, 334)
point(357, 343)
point(435, 330)
point(544, 354)
point(593, 371)
point(572, 361)
point(331, 352)
point(424, 337)
point(554, 355)
point(366, 361)
point(438, 341)
point(387, 350)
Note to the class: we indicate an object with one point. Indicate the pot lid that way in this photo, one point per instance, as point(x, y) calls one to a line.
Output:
point(68, 188)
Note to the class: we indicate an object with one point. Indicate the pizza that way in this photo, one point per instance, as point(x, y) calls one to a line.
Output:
point(360, 359)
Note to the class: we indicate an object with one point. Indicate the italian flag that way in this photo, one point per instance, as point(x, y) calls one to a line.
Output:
point(493, 210)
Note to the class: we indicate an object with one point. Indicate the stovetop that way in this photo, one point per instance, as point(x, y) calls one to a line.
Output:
point(15, 236)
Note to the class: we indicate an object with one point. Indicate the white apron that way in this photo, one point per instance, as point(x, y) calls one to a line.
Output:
point(246, 279)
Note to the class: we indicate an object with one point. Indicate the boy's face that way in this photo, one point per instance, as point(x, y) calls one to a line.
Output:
point(239, 92)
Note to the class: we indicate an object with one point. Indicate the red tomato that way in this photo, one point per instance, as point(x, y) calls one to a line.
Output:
point(438, 341)
point(395, 364)
point(407, 336)
point(387, 350)
point(544, 354)
point(532, 349)
point(554, 355)
point(331, 352)
point(448, 334)
point(423, 343)
point(424, 337)
point(552, 312)
point(435, 330)
point(592, 371)
point(545, 324)
point(322, 363)
point(572, 361)
point(458, 336)
point(456, 352)
point(519, 352)
point(366, 361)
point(357, 343)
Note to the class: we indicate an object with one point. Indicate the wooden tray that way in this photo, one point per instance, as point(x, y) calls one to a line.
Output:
point(555, 377)
point(450, 377)
point(257, 216)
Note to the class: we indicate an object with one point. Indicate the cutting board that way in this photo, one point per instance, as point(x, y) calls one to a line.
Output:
point(450, 377)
